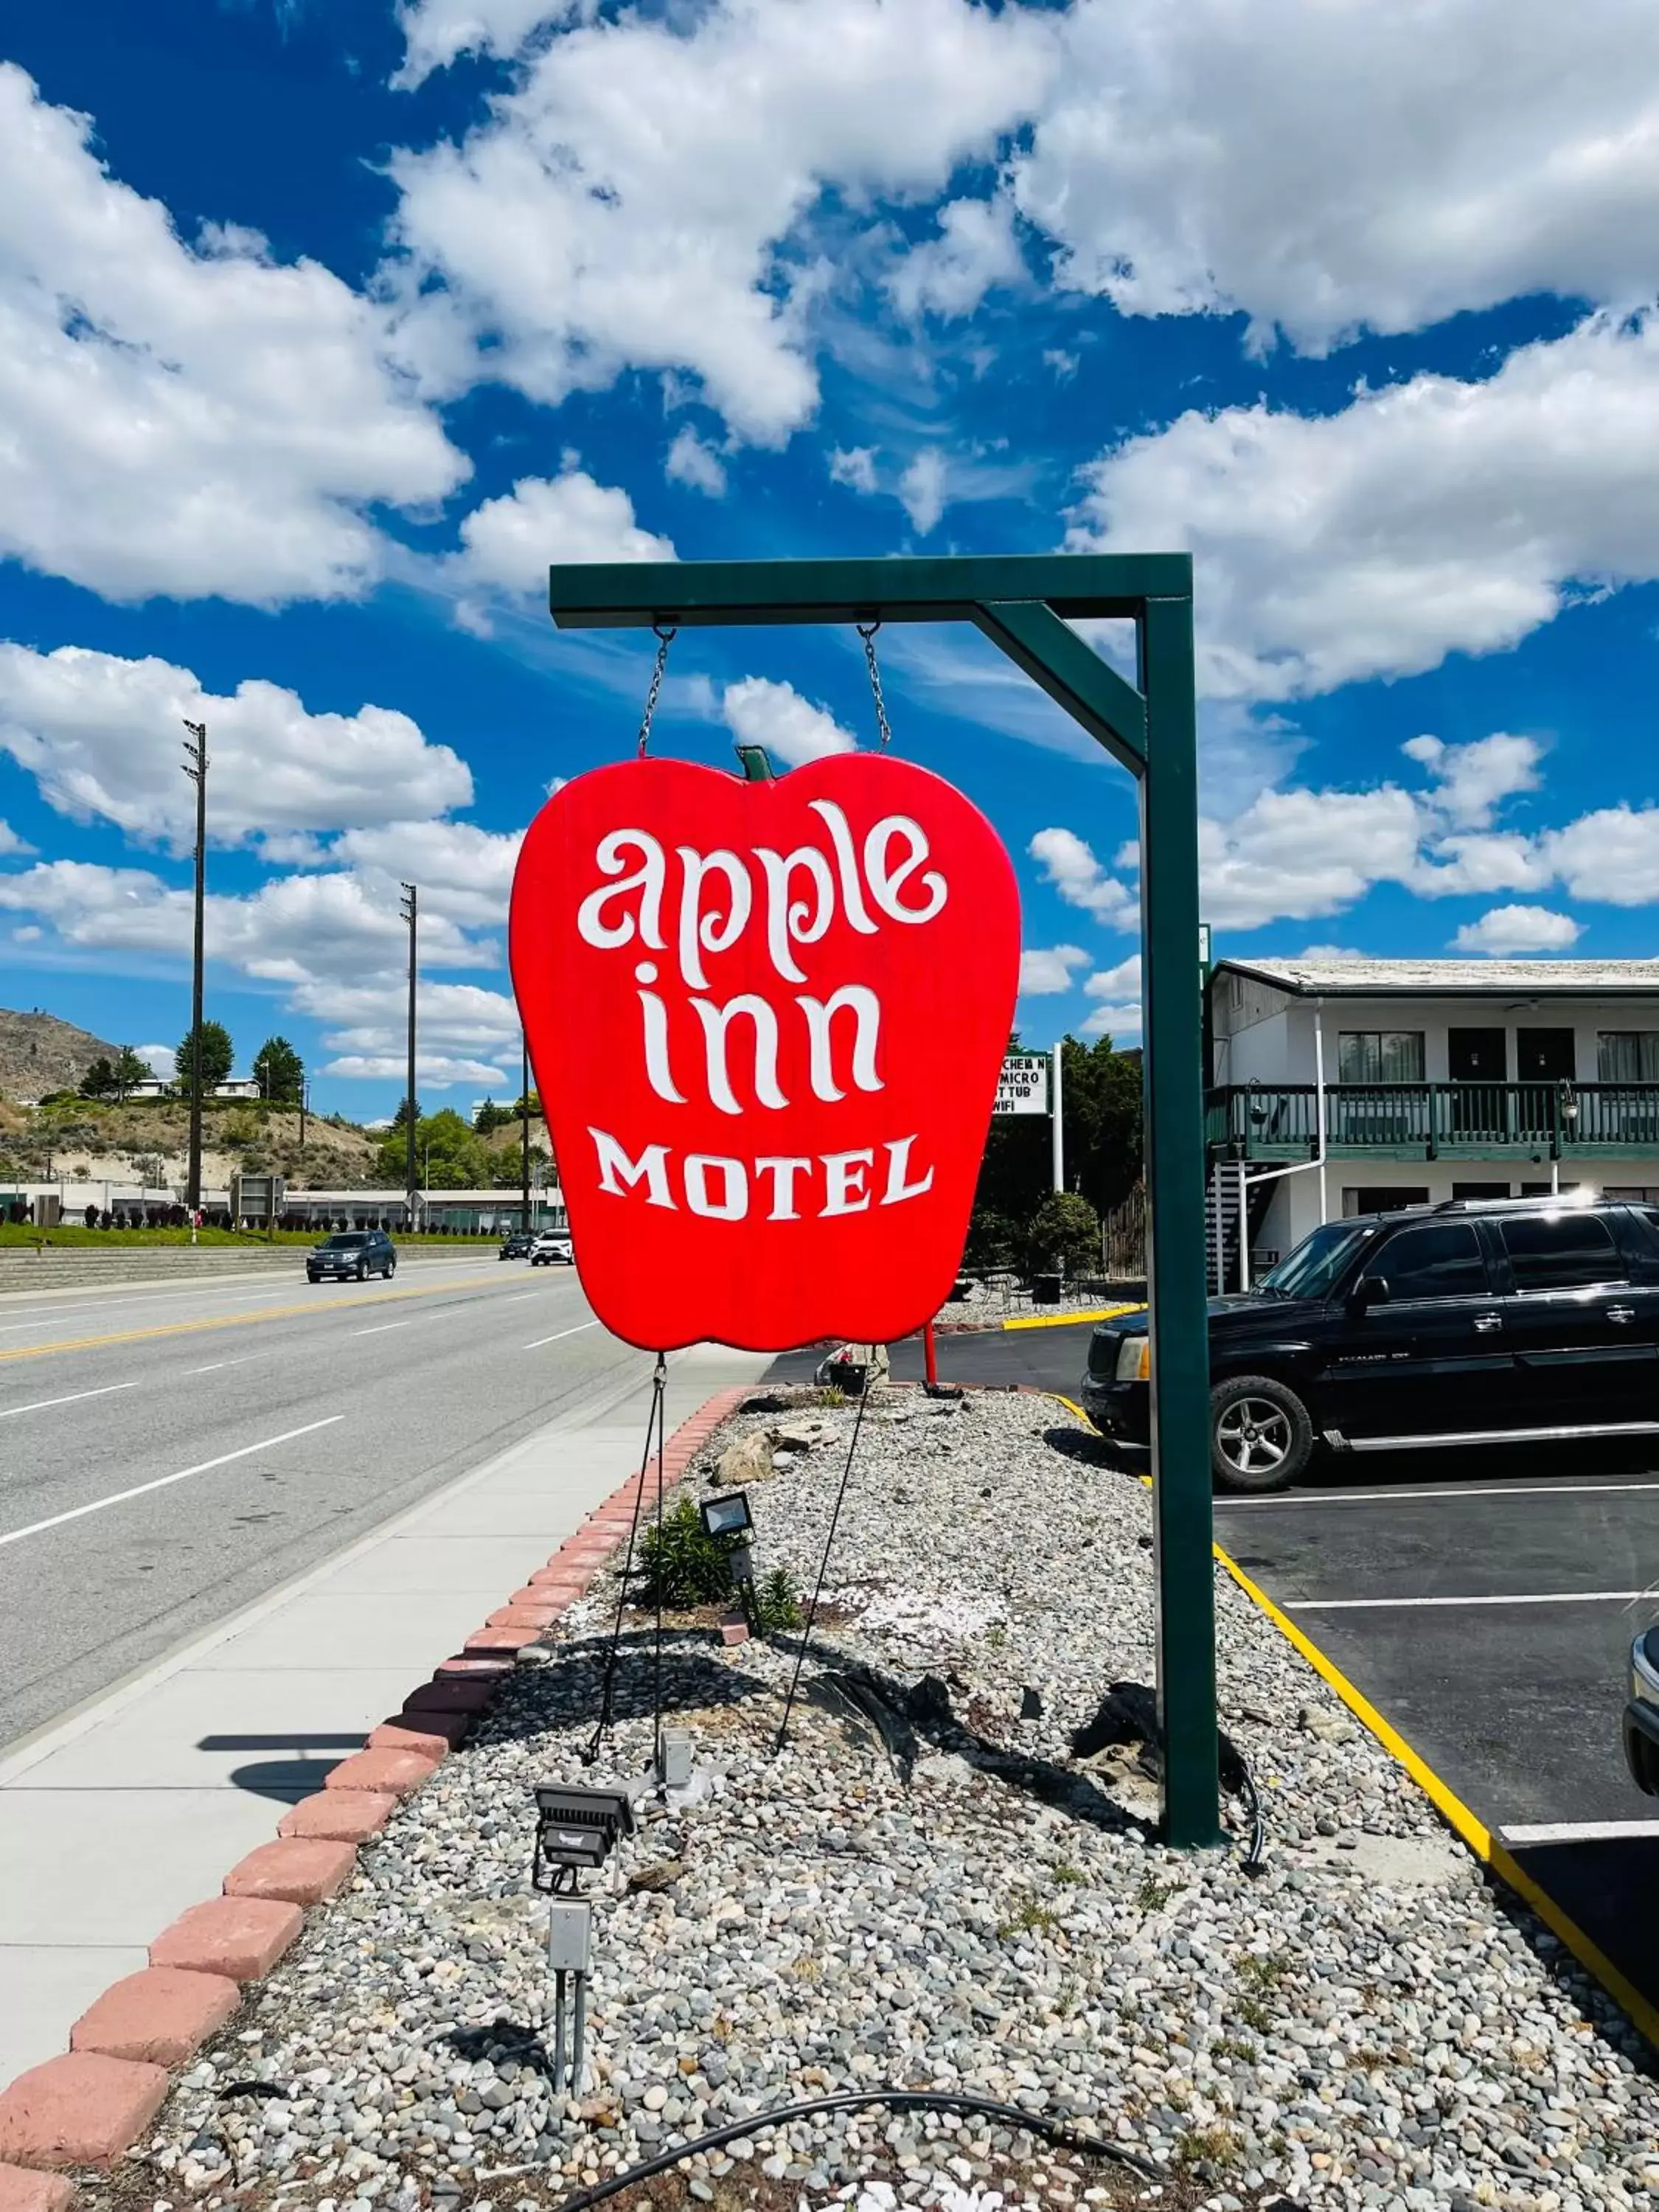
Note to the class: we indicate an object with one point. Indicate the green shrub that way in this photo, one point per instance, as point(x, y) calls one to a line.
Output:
point(683, 1566)
point(777, 1604)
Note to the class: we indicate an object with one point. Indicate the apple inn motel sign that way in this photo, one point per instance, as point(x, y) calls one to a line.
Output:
point(638, 877)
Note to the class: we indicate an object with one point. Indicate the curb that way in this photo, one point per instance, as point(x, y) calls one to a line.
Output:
point(89, 2105)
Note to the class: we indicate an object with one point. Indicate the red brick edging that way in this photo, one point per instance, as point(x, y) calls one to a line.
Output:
point(89, 2106)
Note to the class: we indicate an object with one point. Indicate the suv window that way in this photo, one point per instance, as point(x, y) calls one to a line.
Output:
point(1561, 1251)
point(346, 1244)
point(1439, 1259)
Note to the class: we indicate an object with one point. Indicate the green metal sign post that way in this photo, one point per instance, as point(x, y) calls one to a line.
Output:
point(1023, 603)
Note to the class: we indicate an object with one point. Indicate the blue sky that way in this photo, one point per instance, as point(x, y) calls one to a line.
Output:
point(324, 328)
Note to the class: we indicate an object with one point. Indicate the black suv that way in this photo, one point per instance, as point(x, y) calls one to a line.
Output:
point(1477, 1321)
point(354, 1253)
point(516, 1244)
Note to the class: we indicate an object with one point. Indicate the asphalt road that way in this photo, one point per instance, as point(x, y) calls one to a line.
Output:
point(169, 1454)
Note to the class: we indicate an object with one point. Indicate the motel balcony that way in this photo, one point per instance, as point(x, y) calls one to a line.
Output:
point(1535, 1121)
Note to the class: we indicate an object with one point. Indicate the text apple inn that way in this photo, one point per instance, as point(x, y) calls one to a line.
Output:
point(666, 913)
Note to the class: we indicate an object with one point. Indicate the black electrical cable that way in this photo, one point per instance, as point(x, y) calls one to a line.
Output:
point(856, 2100)
point(654, 1423)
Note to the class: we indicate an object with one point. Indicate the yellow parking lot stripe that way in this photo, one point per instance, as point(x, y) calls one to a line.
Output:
point(232, 1321)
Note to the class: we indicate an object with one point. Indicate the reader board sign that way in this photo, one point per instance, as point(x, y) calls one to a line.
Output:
point(1022, 1086)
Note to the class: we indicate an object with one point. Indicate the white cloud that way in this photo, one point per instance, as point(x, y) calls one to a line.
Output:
point(1045, 969)
point(158, 1059)
point(1511, 929)
point(921, 490)
point(508, 543)
point(1428, 517)
point(950, 275)
point(1070, 866)
point(1612, 856)
point(289, 930)
point(635, 199)
point(761, 713)
point(1324, 167)
point(1301, 854)
point(465, 873)
point(185, 420)
point(1120, 1024)
point(433, 1071)
point(1121, 983)
point(1473, 780)
point(437, 32)
point(692, 462)
point(855, 468)
point(10, 842)
point(102, 737)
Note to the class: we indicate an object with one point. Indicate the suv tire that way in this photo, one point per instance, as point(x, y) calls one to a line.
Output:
point(362, 1270)
point(1261, 1437)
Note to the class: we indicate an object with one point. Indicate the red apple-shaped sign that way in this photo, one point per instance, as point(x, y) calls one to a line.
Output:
point(767, 1021)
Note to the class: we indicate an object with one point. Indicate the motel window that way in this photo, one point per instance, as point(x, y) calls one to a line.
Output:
point(1379, 1056)
point(1627, 1056)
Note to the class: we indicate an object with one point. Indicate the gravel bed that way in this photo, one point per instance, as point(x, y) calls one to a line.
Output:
point(993, 1306)
point(932, 1885)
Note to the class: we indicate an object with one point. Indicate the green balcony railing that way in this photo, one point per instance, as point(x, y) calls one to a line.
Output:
point(1438, 1121)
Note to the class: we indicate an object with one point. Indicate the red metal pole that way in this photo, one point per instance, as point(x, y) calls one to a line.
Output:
point(930, 1352)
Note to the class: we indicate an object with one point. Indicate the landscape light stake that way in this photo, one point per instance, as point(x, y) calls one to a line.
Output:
point(411, 909)
point(1026, 605)
point(195, 768)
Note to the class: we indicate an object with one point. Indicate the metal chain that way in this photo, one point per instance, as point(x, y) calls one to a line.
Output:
point(867, 632)
point(664, 638)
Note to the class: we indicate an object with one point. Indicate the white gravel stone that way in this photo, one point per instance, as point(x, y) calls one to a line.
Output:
point(926, 1889)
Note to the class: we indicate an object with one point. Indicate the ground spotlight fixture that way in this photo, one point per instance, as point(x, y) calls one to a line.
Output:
point(575, 1828)
point(728, 1514)
point(726, 1519)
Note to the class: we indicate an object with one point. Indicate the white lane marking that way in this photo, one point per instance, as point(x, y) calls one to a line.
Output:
point(518, 1298)
point(1433, 1496)
point(1580, 1831)
point(559, 1333)
point(380, 1328)
point(214, 1366)
point(40, 1405)
point(1519, 1597)
point(161, 1482)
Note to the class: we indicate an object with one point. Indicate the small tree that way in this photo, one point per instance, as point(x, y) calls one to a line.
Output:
point(491, 1117)
point(1065, 1232)
point(216, 1058)
point(280, 1071)
point(99, 1080)
point(129, 1070)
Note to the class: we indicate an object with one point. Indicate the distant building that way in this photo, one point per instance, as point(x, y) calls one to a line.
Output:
point(1341, 1087)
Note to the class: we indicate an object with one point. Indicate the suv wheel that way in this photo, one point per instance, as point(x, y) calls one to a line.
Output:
point(362, 1270)
point(1260, 1434)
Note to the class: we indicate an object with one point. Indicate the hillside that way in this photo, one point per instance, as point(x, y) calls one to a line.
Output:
point(39, 1054)
point(147, 1140)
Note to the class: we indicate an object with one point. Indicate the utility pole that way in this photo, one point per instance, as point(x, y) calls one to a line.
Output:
point(411, 908)
point(524, 1125)
point(305, 1107)
point(195, 768)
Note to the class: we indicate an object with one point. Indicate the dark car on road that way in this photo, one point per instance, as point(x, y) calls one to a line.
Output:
point(1476, 1322)
point(353, 1255)
point(516, 1244)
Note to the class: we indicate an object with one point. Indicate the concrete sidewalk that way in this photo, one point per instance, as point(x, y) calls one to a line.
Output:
point(113, 1822)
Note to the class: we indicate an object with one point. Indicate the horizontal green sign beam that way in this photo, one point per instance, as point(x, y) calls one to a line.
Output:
point(634, 594)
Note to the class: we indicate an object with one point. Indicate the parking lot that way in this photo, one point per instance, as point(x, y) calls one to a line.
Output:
point(1483, 1602)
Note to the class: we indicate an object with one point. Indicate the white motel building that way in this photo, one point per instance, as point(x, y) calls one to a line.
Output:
point(1351, 1086)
